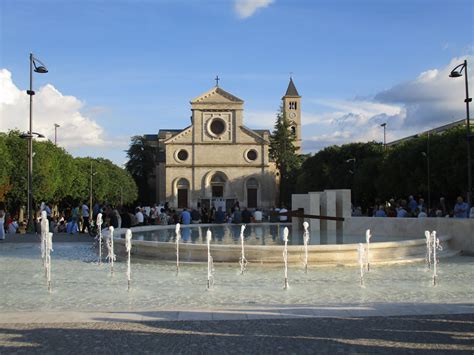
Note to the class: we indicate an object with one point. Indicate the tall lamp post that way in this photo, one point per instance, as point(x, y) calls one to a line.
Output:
point(90, 196)
point(56, 126)
point(384, 125)
point(427, 156)
point(39, 67)
point(456, 74)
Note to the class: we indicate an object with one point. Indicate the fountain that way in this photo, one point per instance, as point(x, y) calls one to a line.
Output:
point(361, 257)
point(367, 239)
point(210, 262)
point(306, 240)
point(285, 256)
point(178, 237)
point(111, 257)
point(128, 246)
point(48, 249)
point(44, 235)
point(99, 229)
point(436, 246)
point(242, 261)
point(428, 249)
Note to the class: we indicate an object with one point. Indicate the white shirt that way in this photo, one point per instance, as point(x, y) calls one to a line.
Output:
point(283, 218)
point(257, 215)
point(139, 217)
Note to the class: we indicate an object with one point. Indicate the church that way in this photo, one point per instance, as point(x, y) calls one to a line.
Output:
point(217, 160)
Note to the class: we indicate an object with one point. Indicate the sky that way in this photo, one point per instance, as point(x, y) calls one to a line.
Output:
point(119, 68)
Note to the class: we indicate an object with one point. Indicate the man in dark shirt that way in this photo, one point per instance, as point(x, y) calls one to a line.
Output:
point(220, 216)
point(246, 215)
point(126, 220)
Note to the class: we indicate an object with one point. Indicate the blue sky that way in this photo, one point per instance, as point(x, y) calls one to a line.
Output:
point(122, 68)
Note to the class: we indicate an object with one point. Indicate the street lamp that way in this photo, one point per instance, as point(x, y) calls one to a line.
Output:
point(427, 156)
point(384, 125)
point(39, 67)
point(56, 126)
point(456, 74)
point(353, 171)
point(90, 196)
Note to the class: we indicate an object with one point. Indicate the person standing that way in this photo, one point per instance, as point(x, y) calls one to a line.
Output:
point(75, 217)
point(258, 216)
point(163, 217)
point(461, 208)
point(283, 218)
point(139, 216)
point(2, 221)
point(185, 217)
point(246, 215)
point(85, 218)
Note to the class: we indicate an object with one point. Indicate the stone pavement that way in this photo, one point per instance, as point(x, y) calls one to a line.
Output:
point(439, 334)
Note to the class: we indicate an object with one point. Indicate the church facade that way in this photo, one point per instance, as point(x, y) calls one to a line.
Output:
point(217, 160)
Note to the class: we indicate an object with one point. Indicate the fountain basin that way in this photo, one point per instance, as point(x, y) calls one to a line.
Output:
point(395, 251)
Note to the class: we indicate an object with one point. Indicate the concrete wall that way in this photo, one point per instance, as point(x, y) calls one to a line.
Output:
point(328, 208)
point(460, 230)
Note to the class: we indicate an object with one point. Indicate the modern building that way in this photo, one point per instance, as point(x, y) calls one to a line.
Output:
point(217, 160)
point(433, 131)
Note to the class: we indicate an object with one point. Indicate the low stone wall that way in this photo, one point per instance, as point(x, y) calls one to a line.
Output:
point(460, 231)
point(330, 254)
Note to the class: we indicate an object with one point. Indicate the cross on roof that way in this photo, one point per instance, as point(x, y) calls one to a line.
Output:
point(217, 80)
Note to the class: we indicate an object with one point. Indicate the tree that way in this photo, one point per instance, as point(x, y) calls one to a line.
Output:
point(58, 177)
point(283, 152)
point(140, 165)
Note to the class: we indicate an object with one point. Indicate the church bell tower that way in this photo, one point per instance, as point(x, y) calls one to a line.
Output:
point(292, 111)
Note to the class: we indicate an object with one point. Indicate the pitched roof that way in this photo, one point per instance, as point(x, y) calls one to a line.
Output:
point(291, 91)
point(216, 91)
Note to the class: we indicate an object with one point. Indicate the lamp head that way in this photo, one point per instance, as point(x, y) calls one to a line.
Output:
point(383, 125)
point(41, 69)
point(455, 74)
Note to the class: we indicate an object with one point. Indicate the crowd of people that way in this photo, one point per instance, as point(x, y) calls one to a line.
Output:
point(418, 208)
point(77, 218)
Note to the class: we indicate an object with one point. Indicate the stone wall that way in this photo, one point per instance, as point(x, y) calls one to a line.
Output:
point(461, 231)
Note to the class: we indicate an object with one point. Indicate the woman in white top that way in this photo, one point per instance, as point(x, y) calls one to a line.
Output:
point(2, 221)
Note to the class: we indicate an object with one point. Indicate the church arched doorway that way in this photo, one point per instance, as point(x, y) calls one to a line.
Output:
point(182, 192)
point(252, 193)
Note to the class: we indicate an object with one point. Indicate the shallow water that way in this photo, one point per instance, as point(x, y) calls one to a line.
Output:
point(79, 283)
point(255, 234)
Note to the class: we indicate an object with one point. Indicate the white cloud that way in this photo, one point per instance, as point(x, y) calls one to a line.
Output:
point(50, 106)
point(246, 8)
point(430, 100)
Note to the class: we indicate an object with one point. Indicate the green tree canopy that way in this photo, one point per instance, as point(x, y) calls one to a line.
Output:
point(140, 165)
point(57, 176)
point(283, 152)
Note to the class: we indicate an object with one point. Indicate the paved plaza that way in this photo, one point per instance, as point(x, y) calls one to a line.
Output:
point(411, 334)
point(370, 327)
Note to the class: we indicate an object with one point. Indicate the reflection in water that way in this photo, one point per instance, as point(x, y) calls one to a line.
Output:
point(185, 234)
point(254, 234)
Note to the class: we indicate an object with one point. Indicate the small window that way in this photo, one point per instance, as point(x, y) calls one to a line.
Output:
point(293, 130)
point(183, 155)
point(252, 155)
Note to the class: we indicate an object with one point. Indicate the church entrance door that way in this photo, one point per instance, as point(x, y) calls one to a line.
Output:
point(252, 197)
point(252, 193)
point(182, 198)
point(182, 192)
